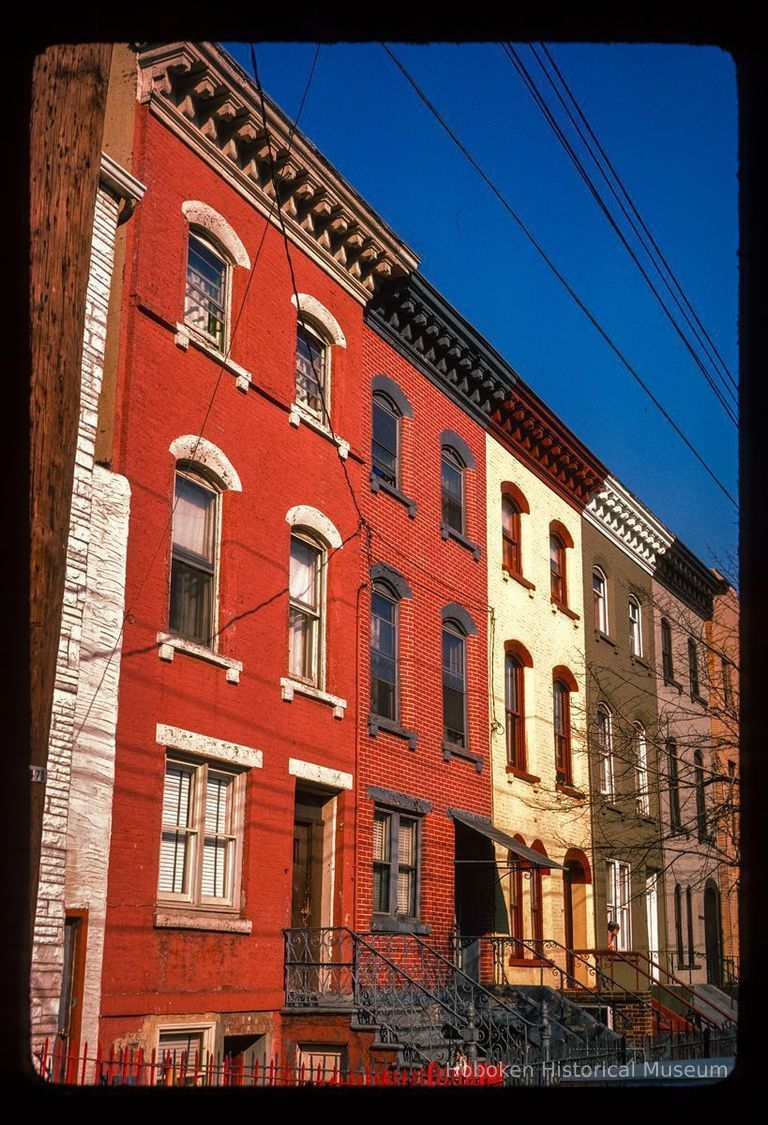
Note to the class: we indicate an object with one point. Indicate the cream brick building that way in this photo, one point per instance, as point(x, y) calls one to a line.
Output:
point(548, 641)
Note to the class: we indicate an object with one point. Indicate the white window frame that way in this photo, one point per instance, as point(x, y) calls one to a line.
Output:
point(601, 599)
point(605, 752)
point(643, 798)
point(211, 244)
point(193, 898)
point(635, 629)
point(305, 325)
point(192, 472)
point(319, 653)
point(619, 900)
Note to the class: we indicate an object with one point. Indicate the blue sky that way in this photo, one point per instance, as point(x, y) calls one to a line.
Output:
point(667, 117)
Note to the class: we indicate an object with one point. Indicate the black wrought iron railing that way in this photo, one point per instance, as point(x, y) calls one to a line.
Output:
point(417, 999)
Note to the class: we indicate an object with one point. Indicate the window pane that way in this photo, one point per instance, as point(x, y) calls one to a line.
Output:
point(310, 370)
point(453, 495)
point(453, 689)
point(304, 573)
point(406, 879)
point(206, 296)
point(191, 602)
point(406, 894)
point(381, 839)
point(385, 433)
point(301, 645)
point(381, 858)
point(194, 519)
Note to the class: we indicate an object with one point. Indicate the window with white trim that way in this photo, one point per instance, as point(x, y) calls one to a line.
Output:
point(313, 370)
point(193, 558)
point(605, 751)
point(600, 597)
point(635, 628)
point(643, 797)
point(202, 834)
point(618, 901)
point(395, 865)
point(207, 293)
point(307, 600)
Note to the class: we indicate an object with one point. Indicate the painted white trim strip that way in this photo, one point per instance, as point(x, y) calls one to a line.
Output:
point(191, 742)
point(308, 771)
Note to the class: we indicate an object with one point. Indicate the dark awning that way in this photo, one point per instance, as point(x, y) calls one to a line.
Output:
point(485, 828)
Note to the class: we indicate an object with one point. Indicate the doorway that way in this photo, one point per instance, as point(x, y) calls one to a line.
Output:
point(312, 888)
point(474, 896)
point(652, 920)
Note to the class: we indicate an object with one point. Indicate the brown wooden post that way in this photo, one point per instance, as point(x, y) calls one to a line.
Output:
point(67, 123)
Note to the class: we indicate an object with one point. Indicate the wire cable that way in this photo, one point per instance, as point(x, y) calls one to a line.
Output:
point(563, 281)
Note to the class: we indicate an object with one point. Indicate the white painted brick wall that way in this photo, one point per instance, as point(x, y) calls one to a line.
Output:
point(47, 948)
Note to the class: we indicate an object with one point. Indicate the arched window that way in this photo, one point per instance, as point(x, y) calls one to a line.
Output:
point(600, 598)
point(453, 489)
point(454, 683)
point(213, 248)
point(635, 628)
point(667, 663)
point(307, 604)
point(313, 369)
point(605, 751)
point(675, 822)
point(207, 297)
point(643, 798)
point(510, 534)
point(384, 651)
point(385, 451)
point(514, 705)
point(693, 668)
point(557, 569)
point(562, 726)
point(194, 555)
point(701, 799)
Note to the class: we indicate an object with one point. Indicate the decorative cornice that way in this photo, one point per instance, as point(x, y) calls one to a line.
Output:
point(621, 516)
point(201, 93)
point(413, 317)
point(119, 181)
point(617, 513)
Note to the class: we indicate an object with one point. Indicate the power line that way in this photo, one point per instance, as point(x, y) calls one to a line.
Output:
point(549, 116)
point(639, 217)
point(563, 281)
point(222, 368)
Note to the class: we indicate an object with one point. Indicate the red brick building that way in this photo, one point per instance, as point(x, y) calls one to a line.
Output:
point(238, 695)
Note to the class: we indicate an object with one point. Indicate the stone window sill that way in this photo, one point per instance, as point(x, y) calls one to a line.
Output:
point(169, 645)
point(186, 335)
point(379, 485)
point(220, 922)
point(523, 775)
point(451, 750)
point(564, 609)
point(378, 723)
point(611, 807)
point(699, 699)
point(506, 574)
point(299, 414)
point(674, 684)
point(601, 636)
point(289, 688)
point(569, 790)
point(383, 923)
point(639, 660)
point(451, 533)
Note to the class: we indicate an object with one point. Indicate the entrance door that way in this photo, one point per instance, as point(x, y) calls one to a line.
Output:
point(712, 935)
point(575, 879)
point(652, 919)
point(314, 942)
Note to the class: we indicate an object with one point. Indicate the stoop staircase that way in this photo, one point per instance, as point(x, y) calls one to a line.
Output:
point(424, 1009)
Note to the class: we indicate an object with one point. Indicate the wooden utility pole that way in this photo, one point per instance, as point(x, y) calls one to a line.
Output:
point(67, 124)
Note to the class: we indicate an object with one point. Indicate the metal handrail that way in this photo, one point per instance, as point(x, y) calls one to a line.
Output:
point(593, 970)
point(376, 1012)
point(627, 957)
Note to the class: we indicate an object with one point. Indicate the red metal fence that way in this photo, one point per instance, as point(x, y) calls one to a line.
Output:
point(128, 1067)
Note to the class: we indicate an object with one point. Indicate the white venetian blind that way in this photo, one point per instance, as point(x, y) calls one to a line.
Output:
point(381, 837)
point(177, 840)
point(218, 842)
point(407, 863)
